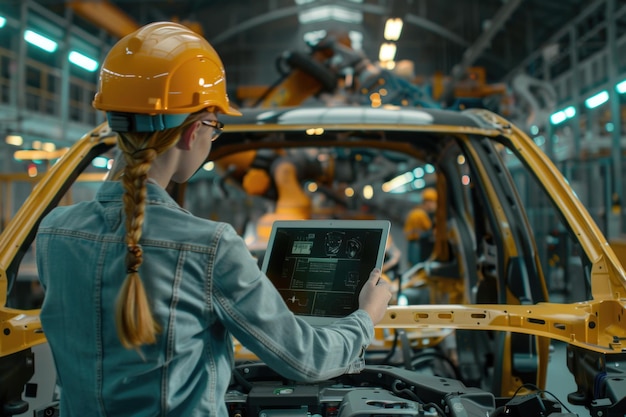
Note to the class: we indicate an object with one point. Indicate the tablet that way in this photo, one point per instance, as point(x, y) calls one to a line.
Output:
point(320, 266)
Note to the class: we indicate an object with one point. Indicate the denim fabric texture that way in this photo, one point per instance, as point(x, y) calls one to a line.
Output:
point(205, 287)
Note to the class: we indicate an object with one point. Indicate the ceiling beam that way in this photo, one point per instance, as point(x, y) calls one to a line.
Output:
point(435, 28)
point(562, 32)
point(105, 15)
point(366, 8)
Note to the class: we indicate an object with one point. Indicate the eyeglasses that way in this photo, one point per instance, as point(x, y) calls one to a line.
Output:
point(217, 127)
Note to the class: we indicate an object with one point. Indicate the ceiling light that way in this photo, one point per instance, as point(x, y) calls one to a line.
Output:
point(597, 100)
point(562, 115)
point(393, 29)
point(40, 41)
point(621, 87)
point(83, 61)
point(558, 117)
point(570, 111)
point(387, 52)
point(3, 21)
point(326, 13)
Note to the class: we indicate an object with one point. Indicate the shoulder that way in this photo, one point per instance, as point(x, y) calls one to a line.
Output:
point(417, 213)
point(176, 224)
point(60, 215)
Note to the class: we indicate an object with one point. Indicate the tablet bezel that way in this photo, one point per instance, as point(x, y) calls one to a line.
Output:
point(383, 225)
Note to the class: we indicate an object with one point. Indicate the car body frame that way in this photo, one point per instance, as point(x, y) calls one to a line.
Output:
point(486, 271)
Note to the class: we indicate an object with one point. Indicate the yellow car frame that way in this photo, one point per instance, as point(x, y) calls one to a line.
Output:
point(591, 328)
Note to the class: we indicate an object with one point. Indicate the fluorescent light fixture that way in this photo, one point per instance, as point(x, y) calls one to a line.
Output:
point(393, 29)
point(3, 21)
point(558, 117)
point(326, 13)
point(40, 41)
point(562, 115)
point(597, 100)
point(621, 87)
point(570, 111)
point(83, 61)
point(387, 52)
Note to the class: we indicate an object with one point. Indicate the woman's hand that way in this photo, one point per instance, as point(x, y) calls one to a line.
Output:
point(375, 296)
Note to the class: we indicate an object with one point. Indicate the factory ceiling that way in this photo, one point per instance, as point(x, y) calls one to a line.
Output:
point(445, 36)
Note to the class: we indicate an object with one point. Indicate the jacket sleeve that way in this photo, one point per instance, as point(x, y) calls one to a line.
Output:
point(249, 306)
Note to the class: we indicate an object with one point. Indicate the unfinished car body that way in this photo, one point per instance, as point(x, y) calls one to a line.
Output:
point(518, 262)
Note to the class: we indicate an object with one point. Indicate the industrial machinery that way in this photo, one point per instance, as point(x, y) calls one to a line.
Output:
point(487, 270)
point(334, 73)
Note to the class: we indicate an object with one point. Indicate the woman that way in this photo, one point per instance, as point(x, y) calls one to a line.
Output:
point(143, 298)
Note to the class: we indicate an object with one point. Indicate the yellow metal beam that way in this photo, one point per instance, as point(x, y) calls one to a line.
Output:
point(105, 15)
point(592, 325)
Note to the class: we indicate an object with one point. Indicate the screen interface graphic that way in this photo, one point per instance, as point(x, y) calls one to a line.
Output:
point(320, 272)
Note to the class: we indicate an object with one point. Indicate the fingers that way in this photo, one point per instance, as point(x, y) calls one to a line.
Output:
point(378, 281)
point(374, 276)
point(375, 296)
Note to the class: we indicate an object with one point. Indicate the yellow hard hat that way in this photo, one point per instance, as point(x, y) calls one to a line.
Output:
point(429, 194)
point(163, 69)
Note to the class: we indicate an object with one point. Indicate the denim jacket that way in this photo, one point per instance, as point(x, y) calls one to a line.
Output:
point(204, 287)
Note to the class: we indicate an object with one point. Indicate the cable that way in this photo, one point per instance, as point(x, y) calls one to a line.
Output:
point(436, 407)
point(392, 350)
point(407, 392)
point(557, 400)
point(413, 396)
point(540, 391)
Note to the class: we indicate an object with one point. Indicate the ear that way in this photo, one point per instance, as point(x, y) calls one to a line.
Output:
point(188, 136)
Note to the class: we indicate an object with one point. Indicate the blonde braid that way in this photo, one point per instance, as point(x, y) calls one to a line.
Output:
point(135, 323)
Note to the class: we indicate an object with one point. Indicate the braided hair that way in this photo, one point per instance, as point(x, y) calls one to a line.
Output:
point(135, 323)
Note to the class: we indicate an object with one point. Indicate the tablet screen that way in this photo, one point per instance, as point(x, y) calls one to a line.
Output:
point(320, 266)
